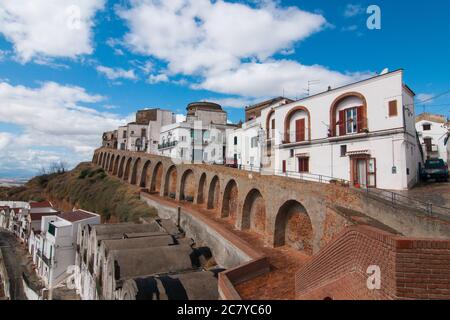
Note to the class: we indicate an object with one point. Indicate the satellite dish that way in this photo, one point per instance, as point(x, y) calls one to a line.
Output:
point(385, 70)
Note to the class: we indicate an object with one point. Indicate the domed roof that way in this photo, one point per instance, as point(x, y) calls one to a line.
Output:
point(203, 105)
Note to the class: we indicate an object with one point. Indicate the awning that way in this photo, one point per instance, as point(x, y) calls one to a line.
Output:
point(302, 155)
point(358, 152)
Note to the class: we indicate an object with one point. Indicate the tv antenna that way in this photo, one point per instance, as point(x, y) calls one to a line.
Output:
point(311, 83)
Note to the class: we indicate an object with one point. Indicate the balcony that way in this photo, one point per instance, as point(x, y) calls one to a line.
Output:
point(166, 145)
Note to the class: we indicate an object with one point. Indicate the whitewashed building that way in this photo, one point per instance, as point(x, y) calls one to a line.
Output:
point(56, 244)
point(201, 138)
point(363, 132)
point(433, 130)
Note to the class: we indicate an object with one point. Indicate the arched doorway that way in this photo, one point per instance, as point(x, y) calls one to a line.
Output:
point(116, 165)
point(254, 212)
point(170, 185)
point(201, 189)
point(188, 186)
point(157, 178)
point(213, 194)
point(126, 174)
point(144, 174)
point(293, 227)
point(230, 201)
point(135, 170)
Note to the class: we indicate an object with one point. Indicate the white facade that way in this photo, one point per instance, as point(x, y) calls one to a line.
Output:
point(433, 131)
point(137, 137)
point(122, 138)
point(57, 244)
point(363, 132)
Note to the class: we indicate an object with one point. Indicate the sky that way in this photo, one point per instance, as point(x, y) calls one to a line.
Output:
point(72, 69)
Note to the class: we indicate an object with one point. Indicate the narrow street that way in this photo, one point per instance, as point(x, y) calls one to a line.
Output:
point(17, 260)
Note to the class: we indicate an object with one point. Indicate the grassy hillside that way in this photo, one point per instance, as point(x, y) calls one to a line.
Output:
point(87, 187)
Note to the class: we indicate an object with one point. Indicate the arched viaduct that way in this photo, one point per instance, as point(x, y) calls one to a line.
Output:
point(282, 210)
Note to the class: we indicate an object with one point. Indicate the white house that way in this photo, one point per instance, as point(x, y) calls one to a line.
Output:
point(433, 130)
point(201, 138)
point(363, 132)
point(4, 217)
point(57, 244)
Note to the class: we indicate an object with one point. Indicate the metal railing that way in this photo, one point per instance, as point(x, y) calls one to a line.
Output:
point(394, 198)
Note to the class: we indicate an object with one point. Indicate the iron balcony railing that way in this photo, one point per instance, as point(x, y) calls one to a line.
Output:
point(167, 145)
point(394, 198)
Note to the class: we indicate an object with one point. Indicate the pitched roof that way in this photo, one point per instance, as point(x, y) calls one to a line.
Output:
point(34, 216)
point(42, 204)
point(77, 215)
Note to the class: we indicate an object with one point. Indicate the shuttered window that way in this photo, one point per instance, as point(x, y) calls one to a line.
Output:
point(393, 108)
point(303, 164)
point(300, 130)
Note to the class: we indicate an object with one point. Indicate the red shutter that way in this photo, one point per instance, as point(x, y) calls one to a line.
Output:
point(342, 123)
point(300, 130)
point(284, 166)
point(361, 121)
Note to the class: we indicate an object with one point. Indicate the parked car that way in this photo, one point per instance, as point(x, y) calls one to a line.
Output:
point(435, 169)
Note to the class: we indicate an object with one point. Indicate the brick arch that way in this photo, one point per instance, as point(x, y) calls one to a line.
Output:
point(335, 104)
point(254, 212)
point(201, 189)
point(126, 173)
point(170, 182)
point(287, 122)
point(271, 112)
point(116, 165)
point(144, 174)
point(293, 227)
point(111, 163)
point(157, 174)
point(214, 193)
point(134, 171)
point(230, 201)
point(188, 186)
point(121, 167)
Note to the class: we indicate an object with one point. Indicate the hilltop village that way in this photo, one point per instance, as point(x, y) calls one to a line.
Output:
point(300, 201)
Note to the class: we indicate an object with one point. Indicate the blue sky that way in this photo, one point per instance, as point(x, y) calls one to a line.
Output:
point(72, 69)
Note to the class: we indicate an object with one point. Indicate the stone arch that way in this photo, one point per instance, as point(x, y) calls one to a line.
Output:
point(293, 227)
point(121, 167)
point(230, 201)
point(287, 122)
point(108, 157)
point(155, 186)
point(187, 190)
point(100, 159)
point(170, 183)
point(335, 104)
point(126, 173)
point(111, 163)
point(95, 158)
point(214, 193)
point(144, 174)
point(201, 189)
point(254, 212)
point(134, 171)
point(116, 165)
point(268, 127)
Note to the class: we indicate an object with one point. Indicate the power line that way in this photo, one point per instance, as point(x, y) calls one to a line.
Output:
point(423, 102)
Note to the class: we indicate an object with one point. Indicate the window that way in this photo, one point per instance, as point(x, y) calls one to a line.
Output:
point(426, 127)
point(273, 124)
point(124, 135)
point(343, 150)
point(284, 166)
point(291, 153)
point(393, 108)
point(235, 141)
point(132, 132)
point(303, 164)
point(143, 133)
point(300, 130)
point(351, 116)
point(183, 138)
point(254, 142)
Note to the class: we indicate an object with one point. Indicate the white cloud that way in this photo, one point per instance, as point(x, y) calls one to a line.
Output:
point(352, 10)
point(117, 73)
point(54, 124)
point(194, 36)
point(157, 78)
point(180, 117)
point(273, 78)
point(49, 28)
